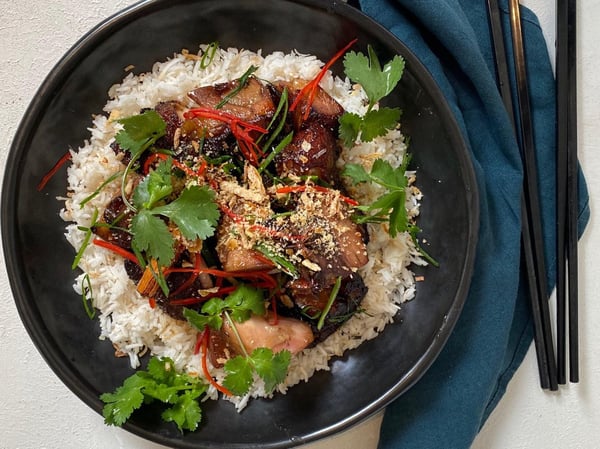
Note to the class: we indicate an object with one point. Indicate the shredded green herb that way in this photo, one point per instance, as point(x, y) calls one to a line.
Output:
point(242, 83)
point(86, 240)
point(209, 54)
point(87, 297)
point(96, 192)
point(334, 292)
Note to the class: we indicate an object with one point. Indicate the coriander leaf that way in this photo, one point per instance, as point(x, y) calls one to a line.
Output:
point(376, 82)
point(200, 321)
point(195, 212)
point(186, 412)
point(154, 187)
point(151, 234)
point(384, 174)
point(244, 301)
point(162, 382)
point(349, 129)
point(241, 303)
point(272, 368)
point(392, 204)
point(377, 122)
point(161, 370)
point(140, 131)
point(120, 405)
point(356, 172)
point(239, 375)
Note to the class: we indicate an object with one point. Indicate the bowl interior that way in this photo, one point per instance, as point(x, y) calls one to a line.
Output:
point(38, 257)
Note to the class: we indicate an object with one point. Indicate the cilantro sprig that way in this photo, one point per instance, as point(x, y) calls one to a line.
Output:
point(238, 307)
point(391, 206)
point(378, 82)
point(240, 304)
point(270, 367)
point(159, 382)
point(193, 210)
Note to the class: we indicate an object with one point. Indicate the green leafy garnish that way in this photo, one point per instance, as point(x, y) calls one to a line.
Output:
point(238, 307)
point(154, 187)
point(152, 236)
point(140, 131)
point(270, 367)
point(377, 82)
point(195, 212)
point(391, 206)
point(240, 304)
point(160, 382)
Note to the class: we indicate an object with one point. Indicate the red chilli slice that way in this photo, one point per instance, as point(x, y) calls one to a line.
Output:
point(310, 88)
point(221, 388)
point(48, 176)
point(239, 128)
point(116, 249)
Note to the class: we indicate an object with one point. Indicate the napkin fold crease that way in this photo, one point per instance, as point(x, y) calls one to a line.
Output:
point(448, 406)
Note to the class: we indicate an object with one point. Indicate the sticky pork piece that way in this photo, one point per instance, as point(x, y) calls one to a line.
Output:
point(252, 104)
point(314, 148)
point(259, 332)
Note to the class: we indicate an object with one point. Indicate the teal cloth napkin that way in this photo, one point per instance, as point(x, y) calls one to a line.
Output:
point(448, 406)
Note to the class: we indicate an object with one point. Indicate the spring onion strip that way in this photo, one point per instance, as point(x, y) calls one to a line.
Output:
point(123, 182)
point(242, 82)
point(281, 262)
point(87, 297)
point(209, 54)
point(284, 143)
point(282, 108)
point(99, 189)
point(86, 241)
point(334, 292)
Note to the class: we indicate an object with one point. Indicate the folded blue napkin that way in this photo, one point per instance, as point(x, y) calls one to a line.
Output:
point(448, 406)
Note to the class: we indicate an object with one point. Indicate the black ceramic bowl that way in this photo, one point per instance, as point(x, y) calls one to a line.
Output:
point(38, 258)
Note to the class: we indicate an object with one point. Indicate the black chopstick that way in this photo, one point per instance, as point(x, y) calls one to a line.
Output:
point(562, 99)
point(572, 196)
point(567, 193)
point(535, 270)
point(531, 184)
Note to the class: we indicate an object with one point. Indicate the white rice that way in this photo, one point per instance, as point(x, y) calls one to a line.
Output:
point(126, 318)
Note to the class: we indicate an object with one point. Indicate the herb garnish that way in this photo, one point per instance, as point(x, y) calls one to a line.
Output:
point(377, 82)
point(238, 307)
point(160, 382)
point(390, 206)
point(194, 211)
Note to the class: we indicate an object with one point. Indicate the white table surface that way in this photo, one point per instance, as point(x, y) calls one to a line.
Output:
point(38, 412)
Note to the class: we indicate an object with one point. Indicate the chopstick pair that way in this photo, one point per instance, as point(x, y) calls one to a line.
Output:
point(531, 229)
point(567, 191)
